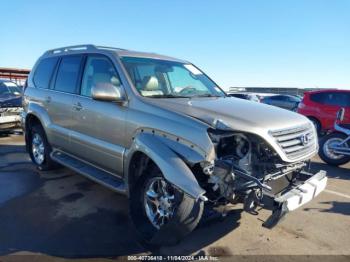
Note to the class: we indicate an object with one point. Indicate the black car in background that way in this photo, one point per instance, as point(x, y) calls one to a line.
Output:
point(289, 102)
point(10, 105)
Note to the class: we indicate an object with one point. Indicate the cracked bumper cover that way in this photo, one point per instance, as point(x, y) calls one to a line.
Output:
point(297, 196)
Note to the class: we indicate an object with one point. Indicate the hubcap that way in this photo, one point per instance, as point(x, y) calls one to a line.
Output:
point(329, 152)
point(159, 202)
point(38, 149)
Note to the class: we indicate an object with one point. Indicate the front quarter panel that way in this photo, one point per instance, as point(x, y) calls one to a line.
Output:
point(172, 166)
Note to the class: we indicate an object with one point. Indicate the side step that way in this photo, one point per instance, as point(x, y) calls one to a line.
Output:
point(89, 171)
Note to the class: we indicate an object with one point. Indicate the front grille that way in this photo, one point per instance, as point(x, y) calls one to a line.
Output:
point(296, 142)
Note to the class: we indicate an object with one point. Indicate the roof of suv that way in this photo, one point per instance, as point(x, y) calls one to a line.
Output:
point(119, 51)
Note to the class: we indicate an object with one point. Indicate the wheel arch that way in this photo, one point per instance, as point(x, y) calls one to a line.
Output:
point(148, 147)
point(30, 120)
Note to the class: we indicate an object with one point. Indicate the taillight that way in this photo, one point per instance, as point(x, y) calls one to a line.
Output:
point(301, 105)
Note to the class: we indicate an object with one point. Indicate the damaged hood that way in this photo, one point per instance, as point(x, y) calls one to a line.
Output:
point(233, 113)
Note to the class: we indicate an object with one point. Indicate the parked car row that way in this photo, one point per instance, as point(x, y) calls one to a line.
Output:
point(322, 106)
point(10, 105)
point(319, 106)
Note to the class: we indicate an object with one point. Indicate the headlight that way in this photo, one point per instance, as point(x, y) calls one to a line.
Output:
point(230, 144)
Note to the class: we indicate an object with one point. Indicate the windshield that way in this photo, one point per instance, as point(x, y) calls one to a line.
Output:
point(169, 79)
point(9, 88)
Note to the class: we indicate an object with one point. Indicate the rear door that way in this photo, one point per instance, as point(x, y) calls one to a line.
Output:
point(333, 101)
point(60, 100)
point(98, 130)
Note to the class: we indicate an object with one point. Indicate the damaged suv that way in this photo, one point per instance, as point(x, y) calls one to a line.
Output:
point(10, 106)
point(160, 131)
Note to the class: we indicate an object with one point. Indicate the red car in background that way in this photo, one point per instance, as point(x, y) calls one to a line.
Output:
point(322, 106)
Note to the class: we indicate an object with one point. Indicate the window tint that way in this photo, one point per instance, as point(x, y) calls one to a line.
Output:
point(44, 72)
point(332, 98)
point(318, 97)
point(238, 95)
point(9, 88)
point(274, 97)
point(67, 74)
point(98, 70)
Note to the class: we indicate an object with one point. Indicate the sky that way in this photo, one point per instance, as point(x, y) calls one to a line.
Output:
point(265, 43)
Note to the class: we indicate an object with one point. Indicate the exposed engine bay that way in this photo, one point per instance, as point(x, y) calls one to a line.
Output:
point(248, 171)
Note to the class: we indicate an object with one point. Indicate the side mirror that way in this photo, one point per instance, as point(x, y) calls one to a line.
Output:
point(108, 92)
point(340, 114)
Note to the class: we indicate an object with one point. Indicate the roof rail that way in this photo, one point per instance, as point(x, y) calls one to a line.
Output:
point(78, 48)
point(109, 48)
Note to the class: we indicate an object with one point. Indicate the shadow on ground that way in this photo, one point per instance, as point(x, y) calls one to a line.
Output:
point(60, 213)
point(337, 207)
point(332, 171)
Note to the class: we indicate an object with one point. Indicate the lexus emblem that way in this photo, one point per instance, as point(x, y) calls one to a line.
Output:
point(304, 139)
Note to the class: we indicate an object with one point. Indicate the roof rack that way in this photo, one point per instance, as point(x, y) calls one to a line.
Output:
point(78, 48)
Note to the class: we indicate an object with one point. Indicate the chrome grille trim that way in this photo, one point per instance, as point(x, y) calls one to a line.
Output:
point(290, 141)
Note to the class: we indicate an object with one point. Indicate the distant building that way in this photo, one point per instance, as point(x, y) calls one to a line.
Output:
point(16, 75)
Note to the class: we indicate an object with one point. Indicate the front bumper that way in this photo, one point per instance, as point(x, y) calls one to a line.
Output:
point(308, 187)
point(10, 118)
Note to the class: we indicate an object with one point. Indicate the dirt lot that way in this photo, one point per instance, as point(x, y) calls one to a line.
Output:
point(62, 214)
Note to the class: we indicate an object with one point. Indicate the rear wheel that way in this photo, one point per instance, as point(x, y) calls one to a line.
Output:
point(326, 152)
point(161, 213)
point(40, 149)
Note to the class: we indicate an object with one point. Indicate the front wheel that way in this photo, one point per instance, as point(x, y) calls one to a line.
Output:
point(161, 213)
point(326, 152)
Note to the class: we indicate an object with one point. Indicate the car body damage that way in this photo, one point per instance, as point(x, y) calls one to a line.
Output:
point(160, 131)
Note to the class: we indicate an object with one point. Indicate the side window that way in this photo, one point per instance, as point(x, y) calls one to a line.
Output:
point(347, 95)
point(44, 72)
point(318, 97)
point(67, 74)
point(331, 98)
point(275, 98)
point(98, 70)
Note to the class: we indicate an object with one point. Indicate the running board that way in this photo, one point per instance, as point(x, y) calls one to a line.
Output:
point(89, 171)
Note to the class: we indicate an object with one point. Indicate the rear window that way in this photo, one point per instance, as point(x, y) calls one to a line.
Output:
point(44, 72)
point(67, 74)
point(332, 98)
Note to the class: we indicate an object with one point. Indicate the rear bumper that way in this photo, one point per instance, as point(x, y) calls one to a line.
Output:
point(309, 186)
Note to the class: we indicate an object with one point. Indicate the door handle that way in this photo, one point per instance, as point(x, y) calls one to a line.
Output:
point(78, 106)
point(48, 99)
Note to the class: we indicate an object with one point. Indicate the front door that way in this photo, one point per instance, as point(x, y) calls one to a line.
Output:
point(98, 129)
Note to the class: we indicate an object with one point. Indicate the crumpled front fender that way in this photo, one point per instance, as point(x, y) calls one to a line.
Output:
point(172, 166)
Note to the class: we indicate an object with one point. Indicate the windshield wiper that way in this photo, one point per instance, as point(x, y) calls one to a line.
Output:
point(207, 95)
point(167, 96)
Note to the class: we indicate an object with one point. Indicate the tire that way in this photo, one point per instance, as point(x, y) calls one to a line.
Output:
point(317, 125)
point(186, 217)
point(323, 150)
point(37, 141)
